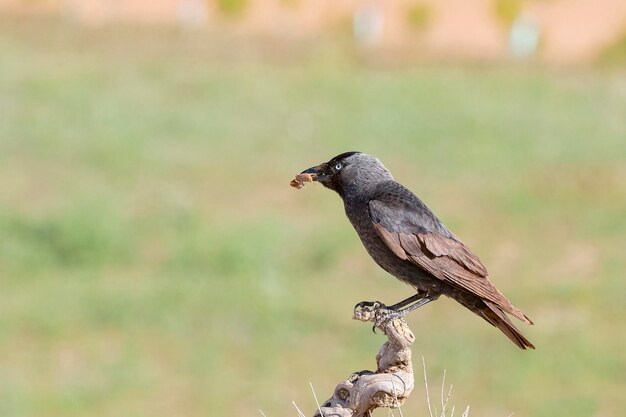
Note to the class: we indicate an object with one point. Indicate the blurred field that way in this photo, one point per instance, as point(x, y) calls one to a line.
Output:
point(155, 262)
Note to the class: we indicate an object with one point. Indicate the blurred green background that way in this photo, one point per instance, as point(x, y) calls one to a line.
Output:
point(155, 262)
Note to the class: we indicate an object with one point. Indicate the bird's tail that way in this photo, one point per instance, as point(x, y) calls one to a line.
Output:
point(496, 316)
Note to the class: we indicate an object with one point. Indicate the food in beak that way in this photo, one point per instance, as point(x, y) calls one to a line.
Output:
point(300, 179)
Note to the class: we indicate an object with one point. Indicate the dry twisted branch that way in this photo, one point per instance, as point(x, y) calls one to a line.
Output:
point(392, 382)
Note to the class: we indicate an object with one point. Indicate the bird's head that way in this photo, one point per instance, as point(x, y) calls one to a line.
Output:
point(350, 173)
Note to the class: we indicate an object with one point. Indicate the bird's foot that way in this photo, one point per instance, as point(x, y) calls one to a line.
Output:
point(384, 315)
point(377, 312)
point(365, 310)
point(368, 305)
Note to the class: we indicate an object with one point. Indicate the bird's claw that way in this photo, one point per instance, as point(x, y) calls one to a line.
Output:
point(371, 305)
point(366, 310)
point(376, 312)
point(383, 315)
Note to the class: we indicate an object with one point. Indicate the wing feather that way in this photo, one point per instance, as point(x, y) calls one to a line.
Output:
point(444, 257)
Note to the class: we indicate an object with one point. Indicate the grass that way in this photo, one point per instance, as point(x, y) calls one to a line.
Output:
point(154, 260)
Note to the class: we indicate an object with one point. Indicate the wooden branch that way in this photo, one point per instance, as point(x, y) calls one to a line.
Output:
point(392, 382)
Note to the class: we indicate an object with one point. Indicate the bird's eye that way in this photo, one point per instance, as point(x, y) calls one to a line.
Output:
point(338, 167)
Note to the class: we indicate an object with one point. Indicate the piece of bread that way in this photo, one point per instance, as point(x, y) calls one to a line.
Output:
point(300, 180)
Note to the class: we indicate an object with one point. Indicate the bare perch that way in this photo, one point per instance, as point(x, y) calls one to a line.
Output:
point(392, 382)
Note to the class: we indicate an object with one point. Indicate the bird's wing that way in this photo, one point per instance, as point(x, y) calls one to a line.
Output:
point(413, 233)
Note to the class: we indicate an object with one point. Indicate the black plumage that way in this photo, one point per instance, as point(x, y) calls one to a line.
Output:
point(407, 240)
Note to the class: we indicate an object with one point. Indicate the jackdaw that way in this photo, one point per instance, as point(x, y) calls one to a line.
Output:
point(408, 241)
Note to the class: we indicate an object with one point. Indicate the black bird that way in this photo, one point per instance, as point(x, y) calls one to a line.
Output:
point(407, 240)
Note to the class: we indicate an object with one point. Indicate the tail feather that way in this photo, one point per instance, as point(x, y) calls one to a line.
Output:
point(505, 305)
point(517, 313)
point(494, 315)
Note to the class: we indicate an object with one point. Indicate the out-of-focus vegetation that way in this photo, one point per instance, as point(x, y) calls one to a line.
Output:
point(155, 262)
point(615, 55)
point(506, 11)
point(232, 7)
point(419, 16)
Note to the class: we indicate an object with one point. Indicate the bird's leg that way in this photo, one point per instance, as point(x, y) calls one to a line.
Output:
point(396, 311)
point(377, 304)
point(423, 300)
point(413, 298)
point(382, 313)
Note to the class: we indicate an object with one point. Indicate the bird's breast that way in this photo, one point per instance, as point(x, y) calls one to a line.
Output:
point(380, 252)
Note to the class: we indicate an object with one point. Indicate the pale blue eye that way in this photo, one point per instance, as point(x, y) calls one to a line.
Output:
point(338, 167)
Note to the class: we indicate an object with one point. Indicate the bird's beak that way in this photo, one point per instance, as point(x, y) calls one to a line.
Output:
point(315, 172)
